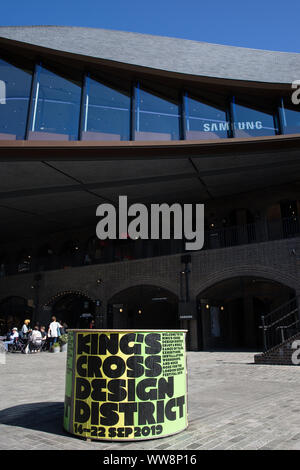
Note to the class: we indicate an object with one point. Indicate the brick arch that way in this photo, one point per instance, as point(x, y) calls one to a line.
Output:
point(266, 273)
point(61, 294)
point(9, 296)
point(143, 282)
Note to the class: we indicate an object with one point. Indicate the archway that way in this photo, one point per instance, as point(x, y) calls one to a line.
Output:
point(144, 307)
point(230, 311)
point(75, 309)
point(13, 311)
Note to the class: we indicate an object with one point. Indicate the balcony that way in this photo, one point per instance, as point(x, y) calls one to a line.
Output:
point(125, 250)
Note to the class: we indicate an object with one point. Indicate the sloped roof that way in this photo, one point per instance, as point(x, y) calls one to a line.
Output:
point(163, 53)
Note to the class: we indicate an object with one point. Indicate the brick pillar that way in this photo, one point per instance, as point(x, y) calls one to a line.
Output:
point(193, 331)
point(205, 323)
point(274, 222)
point(248, 320)
point(231, 339)
point(262, 229)
point(241, 221)
point(100, 315)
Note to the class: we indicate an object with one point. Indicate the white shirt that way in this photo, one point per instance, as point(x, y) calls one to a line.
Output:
point(36, 336)
point(24, 329)
point(14, 335)
point(53, 329)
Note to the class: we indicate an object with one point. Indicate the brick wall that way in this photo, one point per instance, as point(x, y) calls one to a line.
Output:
point(272, 260)
point(275, 260)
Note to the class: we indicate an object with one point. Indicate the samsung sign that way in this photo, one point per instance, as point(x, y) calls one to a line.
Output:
point(225, 126)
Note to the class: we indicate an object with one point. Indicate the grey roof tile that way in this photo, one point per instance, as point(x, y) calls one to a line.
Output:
point(163, 53)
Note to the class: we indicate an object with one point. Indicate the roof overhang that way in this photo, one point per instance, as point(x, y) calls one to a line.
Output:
point(46, 187)
point(25, 150)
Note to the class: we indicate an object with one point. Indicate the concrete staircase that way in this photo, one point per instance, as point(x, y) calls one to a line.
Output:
point(281, 331)
point(282, 354)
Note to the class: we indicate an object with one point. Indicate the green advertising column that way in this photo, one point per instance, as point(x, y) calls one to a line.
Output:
point(125, 385)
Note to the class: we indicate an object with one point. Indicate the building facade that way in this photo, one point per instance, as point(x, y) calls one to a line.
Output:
point(88, 115)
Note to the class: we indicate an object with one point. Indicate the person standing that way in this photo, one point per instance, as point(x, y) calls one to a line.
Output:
point(53, 331)
point(62, 327)
point(25, 329)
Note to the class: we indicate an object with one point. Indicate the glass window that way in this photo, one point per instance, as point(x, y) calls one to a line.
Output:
point(203, 121)
point(290, 119)
point(155, 118)
point(249, 122)
point(106, 113)
point(55, 107)
point(15, 85)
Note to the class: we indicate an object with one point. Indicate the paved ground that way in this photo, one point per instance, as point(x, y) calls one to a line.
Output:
point(233, 404)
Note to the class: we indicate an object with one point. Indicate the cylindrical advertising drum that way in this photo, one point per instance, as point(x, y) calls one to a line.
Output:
point(125, 384)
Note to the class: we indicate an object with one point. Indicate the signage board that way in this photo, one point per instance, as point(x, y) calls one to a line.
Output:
point(125, 385)
point(187, 310)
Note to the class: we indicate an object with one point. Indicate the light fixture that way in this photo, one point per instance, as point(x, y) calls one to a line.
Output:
point(207, 306)
point(222, 307)
point(121, 310)
point(99, 281)
point(140, 311)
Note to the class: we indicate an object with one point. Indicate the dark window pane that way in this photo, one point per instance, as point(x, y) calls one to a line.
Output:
point(55, 108)
point(15, 87)
point(290, 119)
point(106, 113)
point(155, 117)
point(204, 121)
point(249, 122)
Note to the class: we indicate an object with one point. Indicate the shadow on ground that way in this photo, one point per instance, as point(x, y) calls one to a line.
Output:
point(44, 416)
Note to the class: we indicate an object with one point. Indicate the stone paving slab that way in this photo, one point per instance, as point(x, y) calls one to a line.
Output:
point(232, 404)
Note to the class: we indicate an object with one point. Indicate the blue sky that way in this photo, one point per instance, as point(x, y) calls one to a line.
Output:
point(259, 24)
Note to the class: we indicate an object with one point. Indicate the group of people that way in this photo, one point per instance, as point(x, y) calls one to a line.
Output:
point(36, 337)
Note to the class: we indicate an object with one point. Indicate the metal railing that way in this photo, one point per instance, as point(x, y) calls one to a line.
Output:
point(259, 231)
point(280, 324)
point(231, 236)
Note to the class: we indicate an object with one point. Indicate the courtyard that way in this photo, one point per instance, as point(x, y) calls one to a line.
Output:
point(232, 404)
